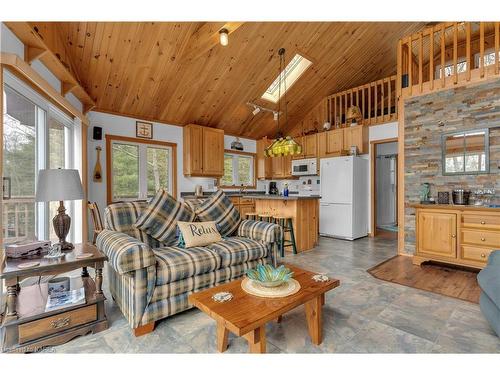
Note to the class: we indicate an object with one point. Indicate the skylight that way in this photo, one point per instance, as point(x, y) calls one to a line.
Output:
point(295, 68)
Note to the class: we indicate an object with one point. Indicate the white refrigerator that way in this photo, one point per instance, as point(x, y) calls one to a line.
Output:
point(343, 211)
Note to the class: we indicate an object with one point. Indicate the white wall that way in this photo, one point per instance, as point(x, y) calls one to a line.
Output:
point(376, 133)
point(125, 126)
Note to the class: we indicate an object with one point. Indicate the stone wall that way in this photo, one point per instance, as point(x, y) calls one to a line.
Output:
point(427, 117)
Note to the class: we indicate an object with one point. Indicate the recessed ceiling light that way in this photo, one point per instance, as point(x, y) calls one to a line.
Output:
point(224, 37)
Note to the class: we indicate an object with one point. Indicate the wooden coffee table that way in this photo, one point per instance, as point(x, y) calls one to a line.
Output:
point(246, 315)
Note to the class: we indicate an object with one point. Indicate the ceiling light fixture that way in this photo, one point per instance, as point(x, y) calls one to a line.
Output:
point(282, 146)
point(224, 37)
point(256, 111)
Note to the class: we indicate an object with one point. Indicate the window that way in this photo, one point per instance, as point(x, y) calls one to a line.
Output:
point(295, 68)
point(449, 68)
point(465, 152)
point(139, 168)
point(36, 135)
point(238, 169)
point(488, 58)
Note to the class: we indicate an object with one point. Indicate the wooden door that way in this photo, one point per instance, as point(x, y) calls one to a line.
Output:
point(264, 164)
point(310, 146)
point(437, 234)
point(277, 167)
point(193, 150)
point(213, 152)
point(330, 143)
point(356, 136)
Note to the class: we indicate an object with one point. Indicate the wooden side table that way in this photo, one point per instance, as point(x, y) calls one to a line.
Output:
point(26, 326)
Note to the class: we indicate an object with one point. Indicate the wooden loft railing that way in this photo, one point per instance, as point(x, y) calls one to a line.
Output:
point(376, 100)
point(447, 54)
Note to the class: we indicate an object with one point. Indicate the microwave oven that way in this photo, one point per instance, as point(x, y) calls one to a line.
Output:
point(304, 167)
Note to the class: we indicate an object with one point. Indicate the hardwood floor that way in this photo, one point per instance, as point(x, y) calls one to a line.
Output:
point(450, 281)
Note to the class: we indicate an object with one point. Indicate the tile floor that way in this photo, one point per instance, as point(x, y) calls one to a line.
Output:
point(363, 315)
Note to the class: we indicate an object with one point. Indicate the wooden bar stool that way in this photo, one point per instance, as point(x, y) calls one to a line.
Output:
point(266, 217)
point(251, 215)
point(286, 223)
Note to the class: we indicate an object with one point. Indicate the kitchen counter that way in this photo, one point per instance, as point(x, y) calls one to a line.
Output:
point(455, 207)
point(303, 210)
point(292, 197)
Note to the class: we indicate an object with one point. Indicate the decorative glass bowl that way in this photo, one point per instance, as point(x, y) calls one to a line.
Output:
point(268, 276)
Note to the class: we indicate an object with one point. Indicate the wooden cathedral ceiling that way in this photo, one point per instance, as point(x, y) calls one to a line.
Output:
point(178, 73)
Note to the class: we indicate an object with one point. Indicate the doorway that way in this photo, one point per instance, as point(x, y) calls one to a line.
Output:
point(384, 161)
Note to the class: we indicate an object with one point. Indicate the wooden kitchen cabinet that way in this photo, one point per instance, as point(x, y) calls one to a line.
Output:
point(309, 145)
point(330, 143)
point(437, 234)
point(244, 205)
point(356, 136)
point(281, 167)
point(203, 153)
point(264, 164)
point(464, 235)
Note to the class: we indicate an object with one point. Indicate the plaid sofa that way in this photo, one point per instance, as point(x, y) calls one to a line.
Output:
point(150, 280)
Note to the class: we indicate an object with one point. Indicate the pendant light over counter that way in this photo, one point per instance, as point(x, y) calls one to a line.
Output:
point(282, 146)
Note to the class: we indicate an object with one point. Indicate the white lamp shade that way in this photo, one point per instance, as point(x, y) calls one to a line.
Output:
point(58, 185)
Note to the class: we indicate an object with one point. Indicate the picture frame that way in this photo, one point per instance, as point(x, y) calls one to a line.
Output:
point(144, 130)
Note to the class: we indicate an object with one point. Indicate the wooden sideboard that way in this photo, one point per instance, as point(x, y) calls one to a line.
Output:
point(463, 235)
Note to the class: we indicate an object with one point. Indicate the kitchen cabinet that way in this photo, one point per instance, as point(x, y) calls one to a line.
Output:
point(244, 205)
point(464, 235)
point(330, 143)
point(264, 164)
point(356, 136)
point(309, 145)
point(281, 167)
point(203, 152)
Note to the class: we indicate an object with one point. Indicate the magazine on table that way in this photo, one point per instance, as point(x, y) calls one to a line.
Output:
point(59, 300)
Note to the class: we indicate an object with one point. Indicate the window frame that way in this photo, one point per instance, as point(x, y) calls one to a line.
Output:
point(45, 109)
point(254, 170)
point(464, 154)
point(110, 138)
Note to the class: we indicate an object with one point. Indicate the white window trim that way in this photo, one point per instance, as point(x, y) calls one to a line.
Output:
point(477, 57)
point(449, 63)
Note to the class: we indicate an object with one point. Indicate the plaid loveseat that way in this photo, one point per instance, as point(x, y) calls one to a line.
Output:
point(150, 281)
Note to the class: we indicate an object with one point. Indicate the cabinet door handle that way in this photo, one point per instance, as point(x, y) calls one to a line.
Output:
point(60, 323)
point(483, 239)
point(453, 235)
point(483, 255)
point(483, 222)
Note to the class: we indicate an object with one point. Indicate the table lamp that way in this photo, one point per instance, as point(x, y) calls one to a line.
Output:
point(59, 185)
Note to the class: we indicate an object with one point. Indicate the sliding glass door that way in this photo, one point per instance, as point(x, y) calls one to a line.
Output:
point(36, 135)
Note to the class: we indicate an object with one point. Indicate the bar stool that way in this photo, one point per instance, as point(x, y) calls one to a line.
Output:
point(286, 223)
point(266, 217)
point(251, 215)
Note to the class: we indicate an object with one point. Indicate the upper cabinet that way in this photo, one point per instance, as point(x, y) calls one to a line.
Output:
point(309, 145)
point(356, 136)
point(264, 164)
point(203, 153)
point(331, 143)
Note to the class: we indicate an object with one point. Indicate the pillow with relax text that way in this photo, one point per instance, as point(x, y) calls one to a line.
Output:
point(160, 217)
point(220, 209)
point(198, 233)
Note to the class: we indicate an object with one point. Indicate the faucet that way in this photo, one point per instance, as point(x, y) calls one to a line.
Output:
point(243, 189)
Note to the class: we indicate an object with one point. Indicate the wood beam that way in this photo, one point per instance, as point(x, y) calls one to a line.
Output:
point(206, 38)
point(32, 53)
point(87, 107)
point(67, 87)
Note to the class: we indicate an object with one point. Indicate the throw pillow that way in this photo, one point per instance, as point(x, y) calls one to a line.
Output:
point(198, 234)
point(220, 209)
point(160, 217)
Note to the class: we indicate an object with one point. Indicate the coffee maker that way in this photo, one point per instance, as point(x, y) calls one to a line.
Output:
point(273, 189)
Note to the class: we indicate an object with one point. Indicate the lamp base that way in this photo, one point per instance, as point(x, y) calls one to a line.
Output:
point(62, 223)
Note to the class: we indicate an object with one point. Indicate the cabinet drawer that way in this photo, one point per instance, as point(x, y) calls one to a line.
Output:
point(56, 323)
point(477, 254)
point(481, 221)
point(247, 201)
point(481, 238)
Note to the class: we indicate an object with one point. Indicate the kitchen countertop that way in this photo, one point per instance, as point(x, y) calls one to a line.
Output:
point(292, 197)
point(455, 207)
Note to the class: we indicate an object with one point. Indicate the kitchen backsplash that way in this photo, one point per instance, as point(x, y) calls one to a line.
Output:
point(427, 117)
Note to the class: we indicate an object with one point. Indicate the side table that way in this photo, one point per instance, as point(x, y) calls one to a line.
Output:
point(26, 326)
